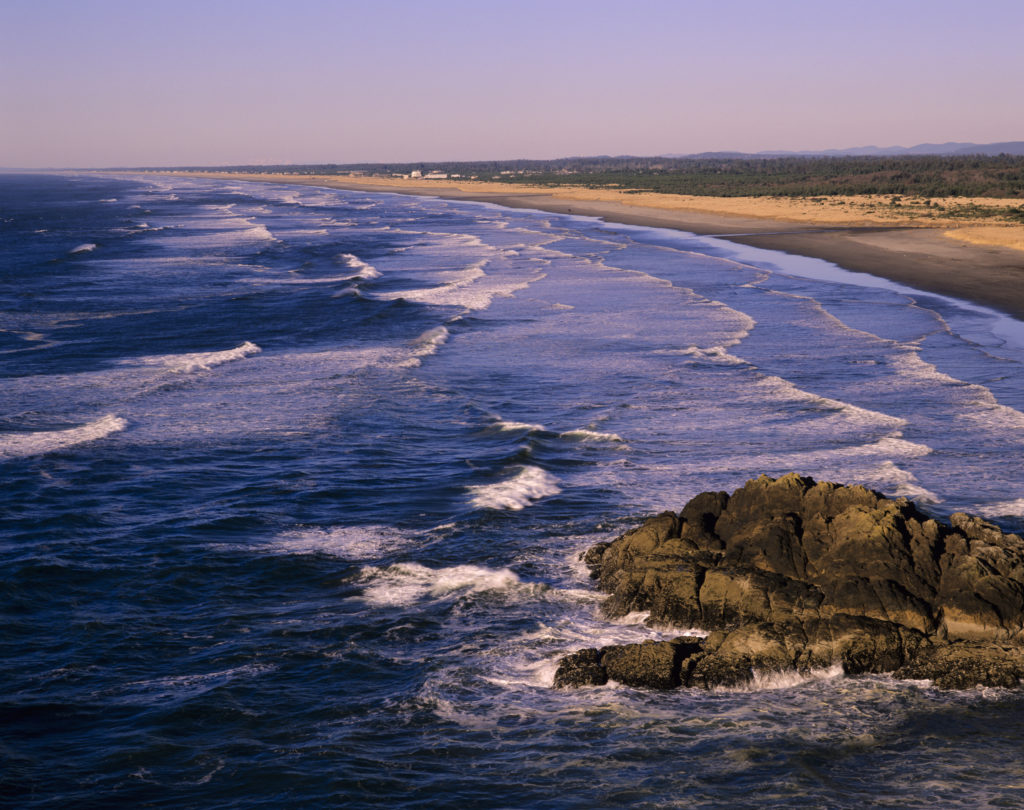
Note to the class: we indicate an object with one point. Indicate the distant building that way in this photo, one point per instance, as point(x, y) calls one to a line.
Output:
point(435, 176)
point(415, 174)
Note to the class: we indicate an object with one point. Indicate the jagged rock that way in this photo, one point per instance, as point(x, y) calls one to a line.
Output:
point(651, 664)
point(582, 668)
point(791, 574)
point(961, 665)
point(654, 664)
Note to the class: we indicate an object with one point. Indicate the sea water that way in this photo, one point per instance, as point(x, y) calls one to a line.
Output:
point(295, 483)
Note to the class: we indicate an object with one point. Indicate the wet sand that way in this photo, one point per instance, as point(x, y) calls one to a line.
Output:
point(920, 257)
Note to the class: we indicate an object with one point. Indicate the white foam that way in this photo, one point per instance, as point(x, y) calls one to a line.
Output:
point(348, 542)
point(449, 293)
point(584, 435)
point(763, 681)
point(1014, 508)
point(887, 446)
point(717, 354)
point(17, 445)
point(871, 460)
point(978, 402)
point(408, 583)
point(900, 483)
point(197, 361)
point(771, 387)
point(426, 344)
point(259, 232)
point(221, 234)
point(365, 271)
point(528, 485)
point(84, 248)
point(516, 427)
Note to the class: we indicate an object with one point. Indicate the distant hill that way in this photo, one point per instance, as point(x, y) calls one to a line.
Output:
point(951, 148)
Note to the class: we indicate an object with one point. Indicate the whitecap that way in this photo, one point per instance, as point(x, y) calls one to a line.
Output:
point(426, 344)
point(408, 583)
point(197, 361)
point(516, 427)
point(898, 482)
point(451, 292)
point(716, 354)
point(979, 403)
point(365, 271)
point(771, 387)
point(528, 485)
point(787, 679)
point(470, 288)
point(260, 232)
point(348, 542)
point(1014, 508)
point(584, 435)
point(87, 247)
point(16, 445)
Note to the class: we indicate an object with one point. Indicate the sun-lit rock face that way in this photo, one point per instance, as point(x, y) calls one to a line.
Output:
point(790, 574)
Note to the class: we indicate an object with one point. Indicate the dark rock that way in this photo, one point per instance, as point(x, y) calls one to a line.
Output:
point(962, 665)
point(652, 664)
point(582, 668)
point(797, 575)
point(592, 558)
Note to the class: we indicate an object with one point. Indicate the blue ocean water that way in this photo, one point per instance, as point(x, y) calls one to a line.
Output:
point(295, 481)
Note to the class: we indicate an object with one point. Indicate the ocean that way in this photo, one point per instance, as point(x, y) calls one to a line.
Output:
point(295, 483)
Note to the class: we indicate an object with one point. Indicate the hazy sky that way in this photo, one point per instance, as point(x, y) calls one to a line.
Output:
point(146, 82)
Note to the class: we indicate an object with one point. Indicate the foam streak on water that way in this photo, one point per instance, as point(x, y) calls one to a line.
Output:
point(296, 481)
point(48, 441)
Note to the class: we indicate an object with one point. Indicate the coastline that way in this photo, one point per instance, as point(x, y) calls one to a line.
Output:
point(919, 256)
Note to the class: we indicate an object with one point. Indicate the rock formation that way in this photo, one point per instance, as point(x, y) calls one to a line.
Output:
point(788, 574)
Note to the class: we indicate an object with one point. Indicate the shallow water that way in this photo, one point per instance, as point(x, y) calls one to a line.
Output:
point(296, 481)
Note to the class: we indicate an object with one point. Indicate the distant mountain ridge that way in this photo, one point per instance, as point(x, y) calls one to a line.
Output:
point(950, 148)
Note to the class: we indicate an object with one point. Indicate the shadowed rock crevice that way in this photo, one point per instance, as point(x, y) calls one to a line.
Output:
point(792, 575)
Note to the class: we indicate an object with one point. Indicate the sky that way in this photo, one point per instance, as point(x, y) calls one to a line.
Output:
point(103, 83)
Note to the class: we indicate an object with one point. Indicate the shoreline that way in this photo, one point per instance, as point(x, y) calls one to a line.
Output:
point(922, 257)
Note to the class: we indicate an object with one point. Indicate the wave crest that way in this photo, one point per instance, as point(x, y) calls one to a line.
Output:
point(365, 271)
point(17, 445)
point(584, 435)
point(408, 583)
point(200, 361)
point(528, 485)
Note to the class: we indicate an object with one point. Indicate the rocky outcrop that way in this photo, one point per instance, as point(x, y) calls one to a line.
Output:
point(790, 574)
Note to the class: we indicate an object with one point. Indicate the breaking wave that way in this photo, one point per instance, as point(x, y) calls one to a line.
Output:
point(584, 435)
point(347, 542)
point(16, 445)
point(516, 427)
point(528, 485)
point(409, 583)
point(427, 344)
point(364, 270)
point(199, 361)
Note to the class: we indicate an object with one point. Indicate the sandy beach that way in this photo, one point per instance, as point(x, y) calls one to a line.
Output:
point(939, 254)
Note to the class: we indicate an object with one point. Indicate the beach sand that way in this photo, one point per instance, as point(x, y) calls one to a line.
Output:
point(979, 263)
